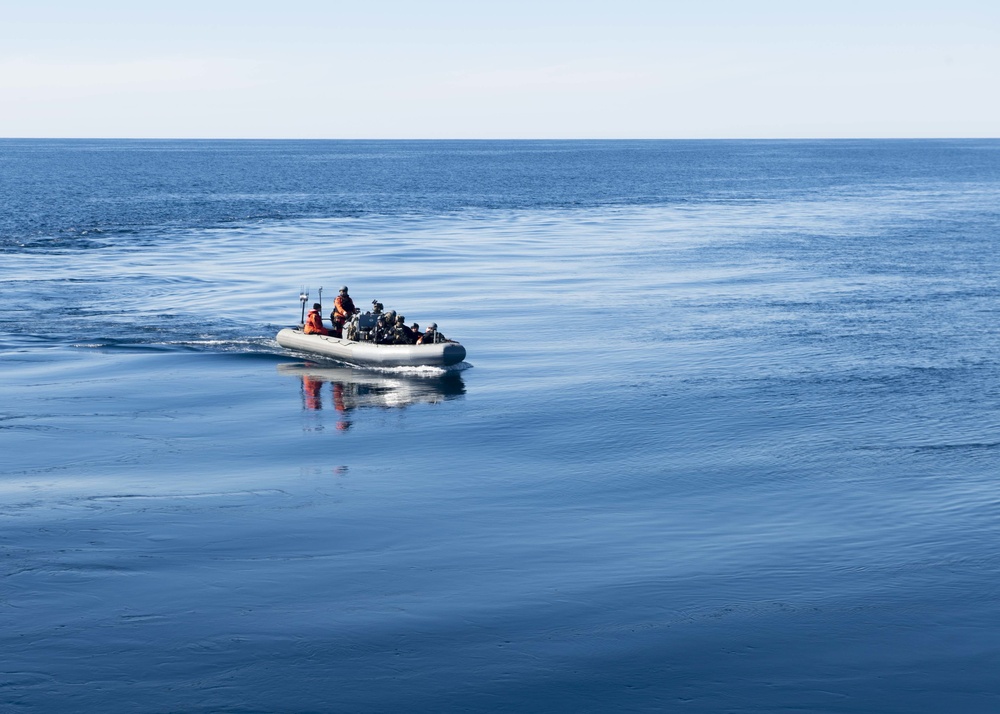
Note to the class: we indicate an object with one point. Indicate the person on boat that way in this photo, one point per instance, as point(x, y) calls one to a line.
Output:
point(431, 336)
point(417, 334)
point(386, 327)
point(314, 322)
point(403, 334)
point(343, 309)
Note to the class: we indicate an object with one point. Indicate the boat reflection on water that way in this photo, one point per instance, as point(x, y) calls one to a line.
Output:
point(352, 388)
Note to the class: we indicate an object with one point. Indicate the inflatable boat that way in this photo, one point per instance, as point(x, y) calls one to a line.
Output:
point(370, 339)
point(440, 354)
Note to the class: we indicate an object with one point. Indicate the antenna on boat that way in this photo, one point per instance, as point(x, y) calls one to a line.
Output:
point(303, 297)
point(321, 298)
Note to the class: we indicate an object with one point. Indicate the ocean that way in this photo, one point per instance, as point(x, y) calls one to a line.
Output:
point(726, 439)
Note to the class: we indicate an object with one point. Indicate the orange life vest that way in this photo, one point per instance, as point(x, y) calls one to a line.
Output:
point(314, 324)
point(343, 308)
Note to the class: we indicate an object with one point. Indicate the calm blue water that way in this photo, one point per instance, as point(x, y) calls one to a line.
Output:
point(727, 438)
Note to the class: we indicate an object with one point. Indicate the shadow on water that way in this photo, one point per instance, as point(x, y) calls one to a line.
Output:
point(353, 388)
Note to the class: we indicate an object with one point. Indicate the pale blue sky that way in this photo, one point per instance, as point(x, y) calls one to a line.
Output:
point(513, 69)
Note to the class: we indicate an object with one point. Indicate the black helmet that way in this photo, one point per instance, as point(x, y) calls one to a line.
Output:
point(432, 326)
point(343, 289)
point(317, 306)
point(400, 319)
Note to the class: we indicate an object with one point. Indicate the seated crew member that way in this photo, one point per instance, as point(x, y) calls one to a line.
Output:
point(404, 335)
point(343, 308)
point(385, 326)
point(431, 336)
point(314, 322)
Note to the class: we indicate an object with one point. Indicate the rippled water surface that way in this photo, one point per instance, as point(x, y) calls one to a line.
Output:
point(726, 438)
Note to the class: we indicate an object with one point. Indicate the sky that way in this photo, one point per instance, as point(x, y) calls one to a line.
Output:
point(517, 69)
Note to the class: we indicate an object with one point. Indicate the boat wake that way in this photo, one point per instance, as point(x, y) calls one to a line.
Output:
point(421, 370)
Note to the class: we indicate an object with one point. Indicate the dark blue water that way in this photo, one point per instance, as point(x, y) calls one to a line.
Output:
point(726, 439)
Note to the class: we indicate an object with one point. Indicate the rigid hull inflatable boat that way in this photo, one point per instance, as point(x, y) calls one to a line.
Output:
point(439, 354)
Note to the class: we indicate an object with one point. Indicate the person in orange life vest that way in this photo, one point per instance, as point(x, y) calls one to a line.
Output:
point(314, 322)
point(343, 308)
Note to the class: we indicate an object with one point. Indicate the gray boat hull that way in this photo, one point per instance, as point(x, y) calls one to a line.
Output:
point(441, 354)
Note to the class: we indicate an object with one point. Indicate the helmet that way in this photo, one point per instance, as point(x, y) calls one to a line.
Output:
point(432, 326)
point(317, 306)
point(400, 319)
point(343, 289)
